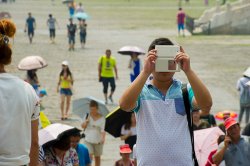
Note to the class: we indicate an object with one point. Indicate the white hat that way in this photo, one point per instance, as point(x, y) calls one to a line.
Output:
point(66, 63)
point(247, 72)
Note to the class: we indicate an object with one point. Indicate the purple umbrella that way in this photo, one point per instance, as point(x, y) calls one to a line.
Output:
point(129, 50)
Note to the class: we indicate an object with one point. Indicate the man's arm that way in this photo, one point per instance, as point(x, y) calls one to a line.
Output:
point(219, 155)
point(116, 72)
point(128, 99)
point(201, 93)
point(34, 149)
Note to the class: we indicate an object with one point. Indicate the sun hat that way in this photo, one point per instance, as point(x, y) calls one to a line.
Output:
point(125, 149)
point(66, 63)
point(229, 122)
point(247, 72)
point(44, 92)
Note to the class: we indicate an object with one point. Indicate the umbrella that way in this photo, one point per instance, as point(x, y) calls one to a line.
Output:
point(54, 132)
point(224, 114)
point(115, 120)
point(81, 106)
point(67, 1)
point(81, 15)
point(31, 63)
point(129, 50)
point(205, 141)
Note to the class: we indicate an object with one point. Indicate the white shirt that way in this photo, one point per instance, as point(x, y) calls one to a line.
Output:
point(94, 130)
point(126, 131)
point(18, 107)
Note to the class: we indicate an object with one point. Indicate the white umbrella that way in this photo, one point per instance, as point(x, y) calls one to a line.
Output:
point(31, 63)
point(129, 50)
point(205, 141)
point(81, 106)
point(81, 15)
point(54, 132)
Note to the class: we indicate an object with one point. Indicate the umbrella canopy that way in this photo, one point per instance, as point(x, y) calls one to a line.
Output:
point(67, 1)
point(31, 63)
point(54, 132)
point(205, 141)
point(81, 15)
point(81, 106)
point(129, 50)
point(115, 120)
point(224, 114)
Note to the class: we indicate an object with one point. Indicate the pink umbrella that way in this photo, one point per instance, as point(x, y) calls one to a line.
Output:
point(205, 141)
point(129, 50)
point(53, 132)
point(31, 63)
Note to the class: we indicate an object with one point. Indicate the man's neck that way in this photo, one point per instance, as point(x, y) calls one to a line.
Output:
point(162, 86)
point(236, 140)
point(2, 69)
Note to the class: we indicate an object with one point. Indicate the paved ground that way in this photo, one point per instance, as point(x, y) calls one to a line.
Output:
point(218, 60)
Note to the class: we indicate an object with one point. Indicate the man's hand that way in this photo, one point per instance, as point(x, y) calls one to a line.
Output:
point(149, 62)
point(227, 141)
point(183, 59)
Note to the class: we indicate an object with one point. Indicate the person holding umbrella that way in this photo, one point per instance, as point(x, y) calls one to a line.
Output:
point(135, 66)
point(65, 84)
point(19, 109)
point(33, 79)
point(94, 130)
point(134, 63)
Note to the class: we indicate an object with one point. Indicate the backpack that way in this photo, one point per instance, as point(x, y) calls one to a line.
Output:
point(189, 119)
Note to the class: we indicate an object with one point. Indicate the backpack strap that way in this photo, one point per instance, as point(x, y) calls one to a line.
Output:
point(189, 119)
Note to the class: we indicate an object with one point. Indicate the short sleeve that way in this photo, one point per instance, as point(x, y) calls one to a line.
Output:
point(190, 96)
point(138, 105)
point(99, 60)
point(134, 152)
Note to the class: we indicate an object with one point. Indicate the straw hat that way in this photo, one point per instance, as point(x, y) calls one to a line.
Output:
point(247, 72)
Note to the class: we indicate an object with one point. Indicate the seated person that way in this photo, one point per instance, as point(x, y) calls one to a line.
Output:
point(197, 122)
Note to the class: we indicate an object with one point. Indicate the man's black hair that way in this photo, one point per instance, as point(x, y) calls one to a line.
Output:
point(160, 41)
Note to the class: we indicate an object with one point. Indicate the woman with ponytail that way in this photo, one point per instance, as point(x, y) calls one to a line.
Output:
point(19, 109)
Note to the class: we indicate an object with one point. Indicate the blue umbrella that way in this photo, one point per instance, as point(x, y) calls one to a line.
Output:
point(81, 106)
point(81, 15)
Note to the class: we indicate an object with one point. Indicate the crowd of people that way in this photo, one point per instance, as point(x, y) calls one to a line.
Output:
point(72, 28)
point(158, 131)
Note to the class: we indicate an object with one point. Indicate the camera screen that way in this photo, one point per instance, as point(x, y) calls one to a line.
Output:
point(172, 65)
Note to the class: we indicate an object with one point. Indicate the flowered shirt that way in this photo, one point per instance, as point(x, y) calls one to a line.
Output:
point(70, 158)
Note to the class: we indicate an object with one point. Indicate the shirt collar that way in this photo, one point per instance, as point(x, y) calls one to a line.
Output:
point(150, 85)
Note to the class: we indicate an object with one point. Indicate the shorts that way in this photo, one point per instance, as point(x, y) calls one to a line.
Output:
point(95, 149)
point(66, 91)
point(30, 32)
point(180, 26)
point(83, 37)
point(52, 33)
point(71, 39)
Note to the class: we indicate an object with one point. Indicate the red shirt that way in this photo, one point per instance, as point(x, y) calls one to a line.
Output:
point(180, 17)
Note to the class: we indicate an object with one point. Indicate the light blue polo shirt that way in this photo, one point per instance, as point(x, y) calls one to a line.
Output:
point(163, 136)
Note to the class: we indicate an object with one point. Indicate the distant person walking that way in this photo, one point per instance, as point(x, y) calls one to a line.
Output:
point(71, 34)
point(79, 8)
point(71, 7)
point(83, 32)
point(65, 84)
point(30, 25)
point(19, 109)
point(106, 68)
point(52, 28)
point(181, 21)
point(244, 90)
